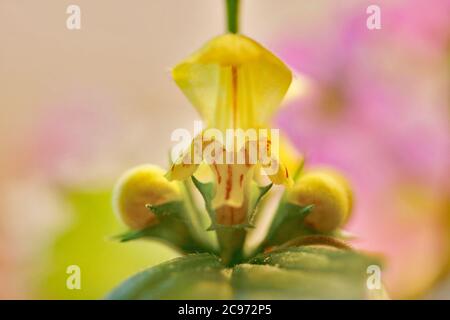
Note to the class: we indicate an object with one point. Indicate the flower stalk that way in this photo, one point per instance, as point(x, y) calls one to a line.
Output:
point(232, 16)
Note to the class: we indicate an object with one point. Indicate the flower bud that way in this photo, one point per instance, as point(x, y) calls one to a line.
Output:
point(330, 194)
point(137, 187)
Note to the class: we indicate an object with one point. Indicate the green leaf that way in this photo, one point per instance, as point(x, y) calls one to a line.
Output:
point(308, 272)
point(317, 258)
point(270, 282)
point(317, 239)
point(308, 267)
point(196, 276)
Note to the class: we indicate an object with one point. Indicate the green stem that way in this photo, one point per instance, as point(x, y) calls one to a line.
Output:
point(231, 242)
point(232, 16)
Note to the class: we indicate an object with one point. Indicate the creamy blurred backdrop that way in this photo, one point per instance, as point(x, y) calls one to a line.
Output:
point(80, 107)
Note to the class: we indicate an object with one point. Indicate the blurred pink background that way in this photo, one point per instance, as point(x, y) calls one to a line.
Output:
point(80, 107)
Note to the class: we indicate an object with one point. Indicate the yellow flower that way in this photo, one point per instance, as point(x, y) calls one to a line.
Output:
point(330, 194)
point(137, 187)
point(234, 83)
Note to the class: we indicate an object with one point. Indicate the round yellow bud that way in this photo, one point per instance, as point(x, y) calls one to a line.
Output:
point(137, 187)
point(330, 194)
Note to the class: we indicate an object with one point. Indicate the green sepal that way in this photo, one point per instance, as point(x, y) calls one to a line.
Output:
point(288, 223)
point(230, 237)
point(173, 208)
point(256, 196)
point(294, 211)
point(172, 228)
point(207, 192)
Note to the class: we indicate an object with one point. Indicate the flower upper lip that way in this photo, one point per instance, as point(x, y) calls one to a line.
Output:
point(231, 68)
point(234, 83)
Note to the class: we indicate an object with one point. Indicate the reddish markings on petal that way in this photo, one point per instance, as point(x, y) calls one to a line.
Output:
point(219, 177)
point(241, 179)
point(286, 171)
point(234, 86)
point(268, 144)
point(229, 182)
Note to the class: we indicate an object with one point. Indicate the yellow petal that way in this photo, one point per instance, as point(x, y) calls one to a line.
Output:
point(231, 182)
point(232, 178)
point(270, 162)
point(204, 173)
point(281, 176)
point(233, 82)
point(292, 159)
point(182, 169)
point(137, 187)
point(188, 162)
point(341, 180)
point(329, 193)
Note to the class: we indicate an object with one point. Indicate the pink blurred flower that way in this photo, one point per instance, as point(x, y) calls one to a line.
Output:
point(378, 110)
